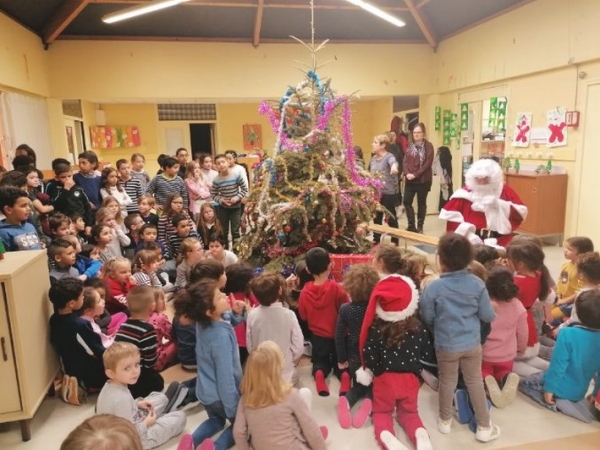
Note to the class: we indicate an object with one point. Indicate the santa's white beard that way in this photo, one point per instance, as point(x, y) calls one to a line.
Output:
point(483, 196)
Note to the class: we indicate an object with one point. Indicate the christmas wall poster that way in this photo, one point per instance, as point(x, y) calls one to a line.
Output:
point(557, 127)
point(522, 132)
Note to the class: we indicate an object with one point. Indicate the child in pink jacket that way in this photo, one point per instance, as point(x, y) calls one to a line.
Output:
point(507, 339)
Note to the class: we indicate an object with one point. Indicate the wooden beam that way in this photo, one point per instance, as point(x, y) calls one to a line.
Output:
point(258, 22)
point(68, 11)
point(422, 3)
point(422, 22)
point(293, 4)
point(68, 37)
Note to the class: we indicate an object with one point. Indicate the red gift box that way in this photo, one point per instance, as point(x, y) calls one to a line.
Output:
point(340, 263)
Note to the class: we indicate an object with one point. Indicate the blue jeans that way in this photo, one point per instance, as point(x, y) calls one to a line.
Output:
point(533, 387)
point(211, 426)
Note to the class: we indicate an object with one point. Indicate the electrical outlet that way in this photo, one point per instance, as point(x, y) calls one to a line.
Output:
point(529, 155)
point(550, 155)
point(539, 155)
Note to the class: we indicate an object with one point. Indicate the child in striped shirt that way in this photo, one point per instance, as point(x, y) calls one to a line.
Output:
point(184, 228)
point(132, 185)
point(167, 182)
point(137, 331)
point(228, 190)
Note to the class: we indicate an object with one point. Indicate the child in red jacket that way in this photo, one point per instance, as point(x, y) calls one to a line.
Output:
point(319, 303)
point(118, 279)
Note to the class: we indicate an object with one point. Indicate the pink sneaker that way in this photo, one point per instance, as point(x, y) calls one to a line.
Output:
point(344, 417)
point(362, 414)
point(207, 444)
point(186, 442)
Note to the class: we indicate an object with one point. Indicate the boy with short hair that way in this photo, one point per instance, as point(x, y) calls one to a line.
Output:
point(133, 223)
point(319, 304)
point(183, 229)
point(228, 190)
point(60, 225)
point(272, 322)
point(78, 345)
point(573, 366)
point(146, 204)
point(16, 232)
point(63, 255)
point(137, 331)
point(86, 267)
point(168, 182)
point(153, 416)
point(88, 178)
point(71, 199)
point(149, 233)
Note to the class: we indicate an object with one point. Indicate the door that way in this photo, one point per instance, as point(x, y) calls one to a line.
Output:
point(10, 400)
point(587, 210)
point(201, 137)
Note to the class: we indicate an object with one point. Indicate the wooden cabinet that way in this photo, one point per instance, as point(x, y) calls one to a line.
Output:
point(28, 364)
point(546, 198)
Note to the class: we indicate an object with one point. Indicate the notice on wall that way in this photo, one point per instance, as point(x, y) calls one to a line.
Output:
point(557, 127)
point(522, 132)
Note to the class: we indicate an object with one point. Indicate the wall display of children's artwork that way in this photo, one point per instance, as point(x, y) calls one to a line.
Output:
point(497, 115)
point(522, 132)
point(447, 127)
point(557, 127)
point(115, 137)
point(252, 137)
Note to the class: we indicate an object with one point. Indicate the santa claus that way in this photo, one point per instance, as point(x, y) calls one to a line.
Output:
point(486, 210)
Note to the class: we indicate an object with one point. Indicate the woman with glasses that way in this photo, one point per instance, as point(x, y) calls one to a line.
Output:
point(417, 163)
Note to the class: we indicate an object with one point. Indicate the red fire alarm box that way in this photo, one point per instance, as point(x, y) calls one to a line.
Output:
point(572, 119)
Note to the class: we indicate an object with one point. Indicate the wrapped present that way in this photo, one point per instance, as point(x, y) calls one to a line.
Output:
point(340, 263)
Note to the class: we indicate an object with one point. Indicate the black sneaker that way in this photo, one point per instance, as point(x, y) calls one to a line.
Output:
point(176, 393)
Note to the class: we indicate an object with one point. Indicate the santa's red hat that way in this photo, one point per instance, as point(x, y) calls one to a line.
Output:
point(394, 298)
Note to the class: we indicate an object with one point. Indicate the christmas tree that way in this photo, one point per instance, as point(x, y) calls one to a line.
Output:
point(308, 192)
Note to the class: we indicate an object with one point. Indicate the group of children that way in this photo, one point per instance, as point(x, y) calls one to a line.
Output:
point(491, 323)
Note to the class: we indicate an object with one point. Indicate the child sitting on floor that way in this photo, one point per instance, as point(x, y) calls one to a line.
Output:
point(92, 307)
point(392, 343)
point(574, 364)
point(137, 331)
point(166, 345)
point(79, 347)
point(217, 250)
point(190, 252)
point(320, 301)
point(108, 323)
point(118, 279)
point(266, 396)
point(359, 283)
point(507, 339)
point(153, 416)
point(271, 321)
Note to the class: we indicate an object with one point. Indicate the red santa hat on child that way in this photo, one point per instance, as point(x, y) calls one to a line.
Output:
point(394, 298)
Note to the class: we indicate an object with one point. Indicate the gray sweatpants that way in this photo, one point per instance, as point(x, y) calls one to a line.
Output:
point(166, 425)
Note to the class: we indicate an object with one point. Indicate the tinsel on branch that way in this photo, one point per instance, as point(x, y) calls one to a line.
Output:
point(309, 191)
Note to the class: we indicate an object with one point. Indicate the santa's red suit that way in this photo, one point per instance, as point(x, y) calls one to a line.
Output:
point(496, 214)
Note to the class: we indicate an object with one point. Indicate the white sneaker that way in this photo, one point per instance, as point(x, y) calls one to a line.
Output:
point(422, 438)
point(444, 426)
point(390, 442)
point(487, 434)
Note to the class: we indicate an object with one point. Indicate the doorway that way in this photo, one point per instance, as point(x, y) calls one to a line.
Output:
point(589, 182)
point(201, 138)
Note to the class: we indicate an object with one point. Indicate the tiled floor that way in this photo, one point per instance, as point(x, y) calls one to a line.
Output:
point(523, 423)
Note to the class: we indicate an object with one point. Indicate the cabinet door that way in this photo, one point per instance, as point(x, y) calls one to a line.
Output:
point(10, 399)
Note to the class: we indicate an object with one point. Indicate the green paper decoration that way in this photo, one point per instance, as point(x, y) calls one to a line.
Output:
point(464, 116)
point(438, 118)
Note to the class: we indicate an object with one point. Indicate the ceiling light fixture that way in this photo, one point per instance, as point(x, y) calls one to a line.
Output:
point(378, 12)
point(139, 10)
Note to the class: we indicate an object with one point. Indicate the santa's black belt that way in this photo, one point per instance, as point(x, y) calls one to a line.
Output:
point(485, 233)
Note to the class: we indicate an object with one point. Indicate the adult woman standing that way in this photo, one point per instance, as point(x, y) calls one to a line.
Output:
point(384, 164)
point(417, 173)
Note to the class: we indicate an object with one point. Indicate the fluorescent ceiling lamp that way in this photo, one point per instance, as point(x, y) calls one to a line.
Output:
point(139, 10)
point(378, 12)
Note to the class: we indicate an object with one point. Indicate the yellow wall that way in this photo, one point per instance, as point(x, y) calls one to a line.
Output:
point(183, 70)
point(231, 117)
point(23, 61)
